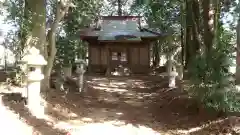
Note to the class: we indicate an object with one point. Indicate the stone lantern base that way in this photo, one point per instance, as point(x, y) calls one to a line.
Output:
point(172, 79)
point(35, 105)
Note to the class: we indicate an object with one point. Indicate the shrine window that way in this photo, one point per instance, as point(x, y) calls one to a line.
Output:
point(123, 56)
point(114, 56)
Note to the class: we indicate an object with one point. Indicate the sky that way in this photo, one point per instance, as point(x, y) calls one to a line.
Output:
point(3, 26)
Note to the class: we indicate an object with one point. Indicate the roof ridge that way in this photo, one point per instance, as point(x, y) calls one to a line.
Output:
point(151, 31)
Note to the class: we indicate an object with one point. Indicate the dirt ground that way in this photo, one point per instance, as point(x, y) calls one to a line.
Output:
point(123, 106)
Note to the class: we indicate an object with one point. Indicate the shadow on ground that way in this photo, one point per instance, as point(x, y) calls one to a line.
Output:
point(15, 103)
point(140, 102)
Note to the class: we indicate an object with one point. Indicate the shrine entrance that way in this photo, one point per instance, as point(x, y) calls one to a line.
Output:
point(119, 60)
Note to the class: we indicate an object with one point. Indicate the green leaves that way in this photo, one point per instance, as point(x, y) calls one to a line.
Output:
point(212, 83)
point(70, 45)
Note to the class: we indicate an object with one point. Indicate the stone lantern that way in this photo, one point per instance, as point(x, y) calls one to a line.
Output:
point(81, 64)
point(35, 62)
point(172, 78)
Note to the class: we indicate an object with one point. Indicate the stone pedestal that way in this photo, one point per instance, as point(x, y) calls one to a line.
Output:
point(172, 79)
point(81, 82)
point(80, 71)
point(172, 74)
point(237, 88)
point(67, 71)
point(179, 69)
point(34, 96)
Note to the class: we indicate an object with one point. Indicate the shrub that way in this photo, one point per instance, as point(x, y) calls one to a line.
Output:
point(212, 83)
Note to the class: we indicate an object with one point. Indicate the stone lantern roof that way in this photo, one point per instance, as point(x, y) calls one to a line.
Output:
point(80, 61)
point(34, 58)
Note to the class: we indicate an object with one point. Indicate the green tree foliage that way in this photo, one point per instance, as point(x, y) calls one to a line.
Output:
point(212, 82)
point(116, 7)
point(18, 16)
point(69, 45)
point(165, 17)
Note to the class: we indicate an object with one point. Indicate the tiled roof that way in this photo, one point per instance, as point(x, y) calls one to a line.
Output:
point(101, 35)
point(114, 27)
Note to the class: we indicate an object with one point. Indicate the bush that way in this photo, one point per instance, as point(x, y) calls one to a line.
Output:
point(212, 83)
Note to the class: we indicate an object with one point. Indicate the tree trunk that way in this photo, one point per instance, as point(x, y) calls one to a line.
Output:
point(37, 11)
point(156, 56)
point(208, 25)
point(183, 33)
point(37, 35)
point(238, 54)
point(62, 8)
point(50, 58)
point(196, 26)
point(119, 7)
point(217, 8)
point(189, 33)
point(193, 42)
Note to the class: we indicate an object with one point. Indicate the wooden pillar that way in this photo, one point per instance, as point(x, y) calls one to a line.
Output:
point(89, 59)
point(149, 56)
point(108, 72)
point(129, 59)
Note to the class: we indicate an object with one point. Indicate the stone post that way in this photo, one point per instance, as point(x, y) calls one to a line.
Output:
point(67, 70)
point(171, 72)
point(180, 71)
point(81, 64)
point(172, 79)
point(35, 61)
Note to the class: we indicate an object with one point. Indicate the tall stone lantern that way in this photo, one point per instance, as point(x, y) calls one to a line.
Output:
point(35, 62)
point(81, 64)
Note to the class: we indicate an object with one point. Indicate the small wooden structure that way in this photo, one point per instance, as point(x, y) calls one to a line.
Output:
point(119, 42)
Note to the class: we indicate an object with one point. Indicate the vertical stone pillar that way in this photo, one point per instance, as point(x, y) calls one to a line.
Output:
point(171, 71)
point(180, 71)
point(80, 71)
point(67, 71)
point(172, 79)
point(35, 61)
point(169, 63)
